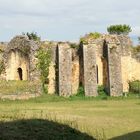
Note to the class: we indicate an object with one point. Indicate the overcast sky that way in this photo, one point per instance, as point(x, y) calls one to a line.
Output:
point(66, 19)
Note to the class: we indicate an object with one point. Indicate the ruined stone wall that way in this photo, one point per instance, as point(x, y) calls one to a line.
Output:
point(15, 61)
point(113, 57)
point(52, 85)
point(106, 61)
point(130, 71)
point(99, 61)
point(3, 46)
point(75, 71)
point(65, 69)
point(90, 70)
point(130, 63)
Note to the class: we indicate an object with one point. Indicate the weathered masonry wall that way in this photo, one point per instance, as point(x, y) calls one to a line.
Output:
point(106, 61)
point(130, 71)
point(17, 66)
point(65, 69)
point(52, 88)
point(90, 70)
point(114, 70)
point(75, 71)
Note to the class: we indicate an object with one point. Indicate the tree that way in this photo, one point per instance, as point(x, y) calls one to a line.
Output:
point(44, 60)
point(32, 36)
point(119, 29)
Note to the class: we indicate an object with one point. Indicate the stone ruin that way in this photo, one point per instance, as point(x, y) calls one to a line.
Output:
point(106, 61)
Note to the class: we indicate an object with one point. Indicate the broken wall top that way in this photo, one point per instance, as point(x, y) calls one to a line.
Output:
point(23, 44)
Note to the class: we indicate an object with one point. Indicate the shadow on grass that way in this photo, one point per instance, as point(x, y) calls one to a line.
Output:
point(129, 136)
point(37, 129)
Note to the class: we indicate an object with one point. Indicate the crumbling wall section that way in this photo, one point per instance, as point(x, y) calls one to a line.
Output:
point(90, 70)
point(114, 66)
point(65, 69)
point(75, 71)
point(53, 69)
point(130, 70)
point(3, 46)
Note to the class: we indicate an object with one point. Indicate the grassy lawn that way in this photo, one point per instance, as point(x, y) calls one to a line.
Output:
point(53, 117)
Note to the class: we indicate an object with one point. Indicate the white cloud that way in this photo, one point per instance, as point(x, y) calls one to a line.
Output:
point(66, 19)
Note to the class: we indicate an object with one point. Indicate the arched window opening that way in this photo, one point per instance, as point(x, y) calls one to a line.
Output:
point(20, 73)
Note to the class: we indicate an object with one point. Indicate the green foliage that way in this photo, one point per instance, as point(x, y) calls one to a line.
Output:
point(80, 91)
point(1, 66)
point(134, 86)
point(119, 29)
point(74, 45)
point(101, 89)
point(32, 36)
point(89, 36)
point(44, 60)
point(101, 92)
point(136, 49)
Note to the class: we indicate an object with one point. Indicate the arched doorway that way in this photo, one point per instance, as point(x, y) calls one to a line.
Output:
point(20, 73)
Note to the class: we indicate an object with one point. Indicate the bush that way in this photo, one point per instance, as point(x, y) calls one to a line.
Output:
point(119, 29)
point(80, 91)
point(101, 90)
point(74, 45)
point(89, 36)
point(32, 36)
point(136, 49)
point(134, 86)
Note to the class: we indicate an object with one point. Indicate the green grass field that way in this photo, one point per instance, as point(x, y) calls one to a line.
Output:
point(53, 117)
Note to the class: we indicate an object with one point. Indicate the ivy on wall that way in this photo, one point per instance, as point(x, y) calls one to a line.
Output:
point(43, 63)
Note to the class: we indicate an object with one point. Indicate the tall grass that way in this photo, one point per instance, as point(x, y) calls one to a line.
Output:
point(19, 87)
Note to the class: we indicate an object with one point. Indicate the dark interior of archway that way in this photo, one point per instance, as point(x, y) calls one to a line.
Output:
point(20, 73)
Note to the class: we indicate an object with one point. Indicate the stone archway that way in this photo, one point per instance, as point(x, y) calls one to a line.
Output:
point(20, 73)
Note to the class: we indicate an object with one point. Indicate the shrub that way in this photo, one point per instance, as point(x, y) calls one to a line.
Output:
point(32, 36)
point(136, 49)
point(101, 90)
point(134, 86)
point(119, 29)
point(74, 45)
point(80, 91)
point(89, 36)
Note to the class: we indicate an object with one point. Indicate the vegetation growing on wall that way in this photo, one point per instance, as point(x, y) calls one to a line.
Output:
point(1, 66)
point(44, 60)
point(119, 29)
point(74, 45)
point(136, 49)
point(89, 37)
point(32, 36)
